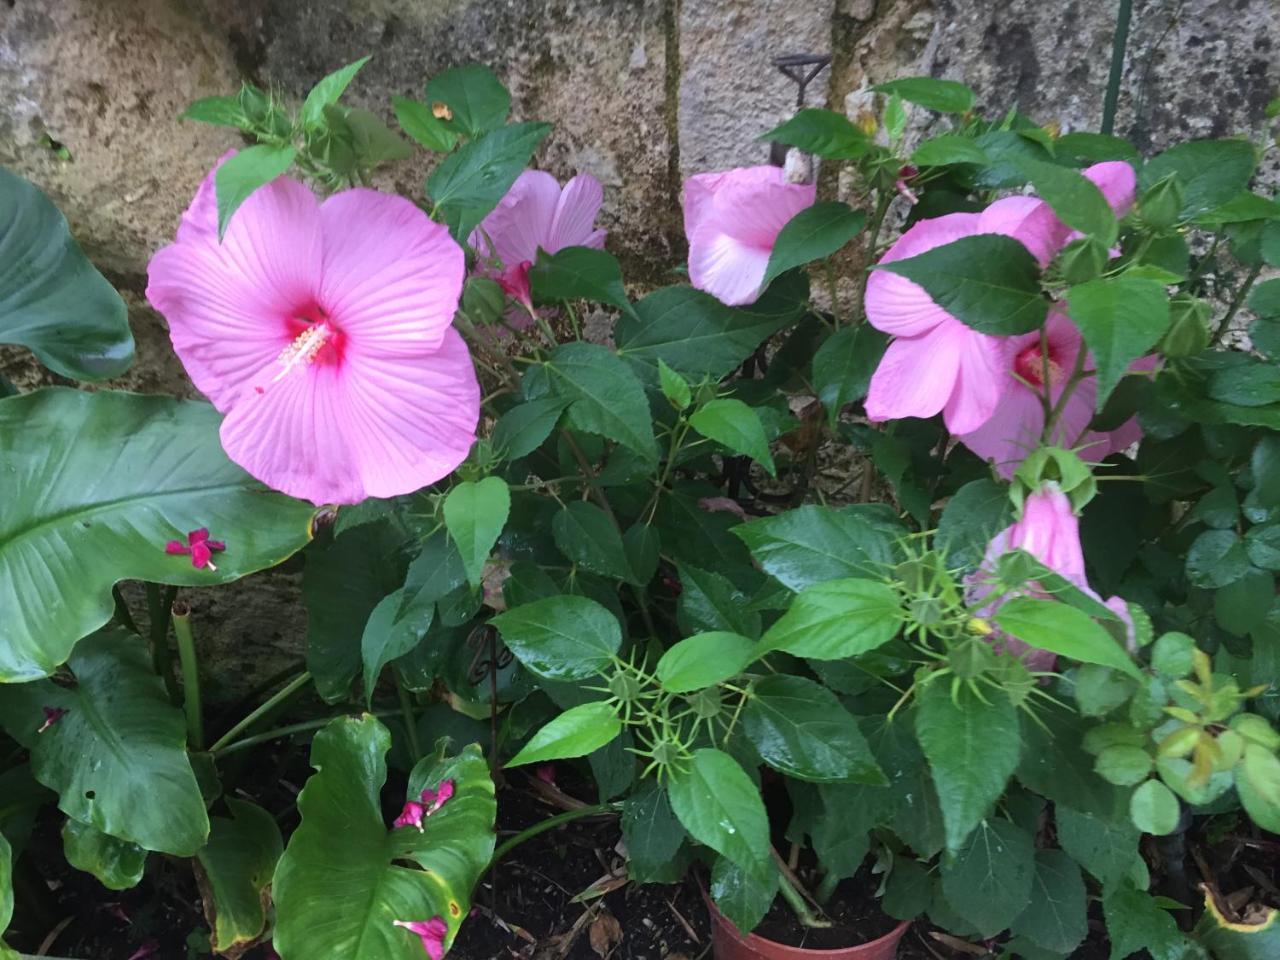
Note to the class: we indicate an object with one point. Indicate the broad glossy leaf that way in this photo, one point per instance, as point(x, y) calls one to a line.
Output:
point(945, 96)
point(52, 300)
point(704, 660)
point(1064, 630)
point(1210, 172)
point(584, 533)
point(343, 880)
point(603, 396)
point(1121, 319)
point(812, 234)
point(721, 807)
point(733, 424)
point(584, 273)
point(1075, 199)
point(744, 896)
point(561, 638)
point(824, 133)
point(417, 120)
point(478, 100)
point(239, 176)
point(117, 864)
point(843, 366)
point(988, 880)
point(708, 602)
point(652, 833)
point(1056, 916)
point(119, 731)
point(837, 619)
point(574, 733)
point(470, 182)
point(988, 282)
point(811, 544)
point(801, 729)
point(972, 748)
point(237, 865)
point(475, 513)
point(95, 485)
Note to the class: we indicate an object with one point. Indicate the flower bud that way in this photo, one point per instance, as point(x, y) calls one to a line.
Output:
point(1161, 206)
point(1061, 467)
point(1083, 260)
point(1188, 332)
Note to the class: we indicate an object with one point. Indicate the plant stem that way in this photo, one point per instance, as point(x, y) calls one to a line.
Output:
point(288, 731)
point(158, 607)
point(549, 824)
point(791, 893)
point(1119, 41)
point(827, 887)
point(1077, 374)
point(190, 674)
point(410, 724)
point(1236, 301)
point(277, 698)
point(122, 612)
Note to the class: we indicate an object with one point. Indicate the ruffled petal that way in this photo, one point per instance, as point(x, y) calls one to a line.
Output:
point(981, 380)
point(230, 305)
point(895, 304)
point(729, 270)
point(519, 224)
point(575, 215)
point(915, 377)
point(1031, 222)
point(1118, 183)
point(393, 283)
point(753, 204)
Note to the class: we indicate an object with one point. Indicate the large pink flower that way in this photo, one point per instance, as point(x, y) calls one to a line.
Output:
point(536, 213)
point(937, 364)
point(732, 220)
point(1013, 430)
point(322, 331)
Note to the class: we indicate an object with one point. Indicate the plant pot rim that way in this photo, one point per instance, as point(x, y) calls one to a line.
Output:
point(782, 950)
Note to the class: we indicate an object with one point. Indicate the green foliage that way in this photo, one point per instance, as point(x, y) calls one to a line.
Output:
point(823, 133)
point(117, 864)
point(703, 660)
point(944, 96)
point(238, 863)
point(561, 638)
point(813, 234)
point(470, 181)
point(719, 805)
point(812, 544)
point(476, 98)
point(989, 879)
point(475, 513)
point(1120, 320)
point(735, 425)
point(579, 273)
point(575, 733)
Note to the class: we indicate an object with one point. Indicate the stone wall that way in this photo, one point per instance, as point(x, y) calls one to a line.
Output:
point(642, 92)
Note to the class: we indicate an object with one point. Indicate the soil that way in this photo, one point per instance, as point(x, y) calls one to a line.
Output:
point(853, 910)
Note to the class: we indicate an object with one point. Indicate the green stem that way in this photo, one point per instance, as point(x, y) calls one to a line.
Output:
point(190, 675)
point(122, 612)
point(288, 731)
point(827, 887)
point(795, 899)
point(1236, 301)
point(1119, 41)
point(410, 724)
point(549, 824)
point(873, 238)
point(158, 607)
point(279, 697)
point(1077, 375)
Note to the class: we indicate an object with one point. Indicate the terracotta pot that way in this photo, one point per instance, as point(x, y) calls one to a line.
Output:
point(731, 945)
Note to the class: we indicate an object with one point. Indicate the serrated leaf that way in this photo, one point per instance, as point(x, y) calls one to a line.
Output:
point(944, 96)
point(837, 619)
point(1064, 630)
point(579, 273)
point(239, 176)
point(469, 182)
point(586, 535)
point(1154, 808)
point(1120, 318)
point(812, 234)
point(843, 366)
point(575, 733)
point(948, 149)
point(603, 396)
point(988, 880)
point(651, 831)
point(811, 544)
point(704, 660)
point(824, 133)
point(720, 806)
point(1210, 172)
point(561, 638)
point(523, 428)
point(733, 424)
point(1075, 199)
point(1056, 917)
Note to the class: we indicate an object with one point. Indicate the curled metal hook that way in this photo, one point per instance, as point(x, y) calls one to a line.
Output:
point(490, 656)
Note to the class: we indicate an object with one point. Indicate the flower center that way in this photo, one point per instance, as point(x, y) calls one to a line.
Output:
point(1031, 364)
point(305, 348)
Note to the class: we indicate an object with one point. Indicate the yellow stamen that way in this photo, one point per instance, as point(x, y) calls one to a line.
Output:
point(304, 348)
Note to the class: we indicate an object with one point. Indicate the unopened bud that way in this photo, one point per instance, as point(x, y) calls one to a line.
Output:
point(1161, 206)
point(1083, 260)
point(1188, 333)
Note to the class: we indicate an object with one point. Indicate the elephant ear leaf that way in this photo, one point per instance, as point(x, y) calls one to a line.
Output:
point(52, 300)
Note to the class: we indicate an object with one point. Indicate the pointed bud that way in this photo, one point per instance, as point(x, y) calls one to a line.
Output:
point(1083, 260)
point(1161, 206)
point(1188, 333)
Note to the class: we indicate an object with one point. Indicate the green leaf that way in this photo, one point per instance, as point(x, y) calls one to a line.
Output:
point(974, 514)
point(575, 733)
point(238, 176)
point(1064, 630)
point(523, 428)
point(1262, 544)
point(674, 387)
point(824, 133)
point(704, 660)
point(1210, 172)
point(585, 534)
point(733, 424)
point(837, 619)
point(652, 833)
point(579, 273)
point(1136, 922)
point(1154, 809)
point(1120, 318)
point(52, 300)
point(720, 806)
point(908, 891)
point(946, 149)
point(1258, 783)
point(1074, 198)
point(811, 544)
point(417, 120)
point(812, 234)
point(1124, 765)
point(944, 96)
point(1216, 559)
point(469, 182)
point(603, 396)
point(343, 879)
point(372, 141)
point(117, 864)
point(697, 335)
point(843, 366)
point(479, 101)
point(391, 633)
point(475, 513)
point(1249, 385)
point(119, 731)
point(327, 92)
point(561, 638)
point(1106, 848)
point(988, 282)
point(236, 867)
point(801, 729)
point(743, 896)
point(1056, 766)
point(6, 890)
point(972, 748)
point(988, 881)
point(708, 602)
point(1056, 917)
point(219, 111)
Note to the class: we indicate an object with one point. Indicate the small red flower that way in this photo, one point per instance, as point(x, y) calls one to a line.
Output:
point(51, 716)
point(514, 282)
point(431, 931)
point(411, 815)
point(199, 547)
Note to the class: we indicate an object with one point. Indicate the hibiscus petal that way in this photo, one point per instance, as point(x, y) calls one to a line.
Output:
point(575, 213)
point(981, 380)
point(914, 379)
point(1031, 222)
point(895, 304)
point(1011, 432)
point(1118, 183)
point(394, 283)
point(729, 270)
point(517, 226)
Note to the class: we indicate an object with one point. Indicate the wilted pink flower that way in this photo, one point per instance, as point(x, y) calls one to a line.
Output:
point(322, 331)
point(722, 504)
point(514, 282)
point(200, 548)
point(537, 214)
point(415, 811)
point(431, 931)
point(546, 773)
point(732, 220)
point(435, 799)
point(410, 816)
point(937, 364)
point(51, 716)
point(1050, 531)
point(1013, 430)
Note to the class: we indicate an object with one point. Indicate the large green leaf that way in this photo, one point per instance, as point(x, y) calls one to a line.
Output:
point(391, 632)
point(1211, 172)
point(603, 395)
point(974, 514)
point(988, 881)
point(117, 758)
point(574, 733)
point(95, 485)
point(812, 543)
point(824, 133)
point(837, 619)
point(720, 806)
point(470, 182)
point(240, 175)
point(586, 535)
point(52, 300)
point(704, 660)
point(813, 233)
point(1074, 198)
point(475, 513)
point(843, 366)
point(561, 638)
point(710, 603)
point(579, 273)
point(1055, 918)
point(1120, 319)
point(476, 97)
point(1064, 630)
point(731, 422)
point(235, 868)
point(117, 864)
point(652, 833)
point(945, 96)
point(1106, 847)
point(342, 881)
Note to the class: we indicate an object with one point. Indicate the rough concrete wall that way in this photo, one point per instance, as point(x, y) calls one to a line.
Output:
point(643, 92)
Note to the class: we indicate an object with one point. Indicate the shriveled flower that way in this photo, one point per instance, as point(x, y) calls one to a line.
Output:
point(537, 214)
point(198, 546)
point(432, 932)
point(1049, 530)
point(732, 220)
point(435, 799)
point(936, 363)
point(415, 811)
point(411, 815)
point(51, 716)
point(1016, 425)
point(323, 332)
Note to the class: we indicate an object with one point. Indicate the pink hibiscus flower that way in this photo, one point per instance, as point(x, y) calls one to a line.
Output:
point(937, 364)
point(732, 220)
point(323, 332)
point(1013, 430)
point(1049, 530)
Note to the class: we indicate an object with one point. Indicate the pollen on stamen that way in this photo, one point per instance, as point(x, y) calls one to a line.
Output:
point(304, 349)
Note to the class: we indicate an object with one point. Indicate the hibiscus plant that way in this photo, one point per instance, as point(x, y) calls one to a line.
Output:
point(930, 533)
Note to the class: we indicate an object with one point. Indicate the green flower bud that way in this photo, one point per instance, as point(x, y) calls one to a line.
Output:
point(1188, 332)
point(1083, 260)
point(706, 703)
point(1161, 206)
point(1063, 467)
